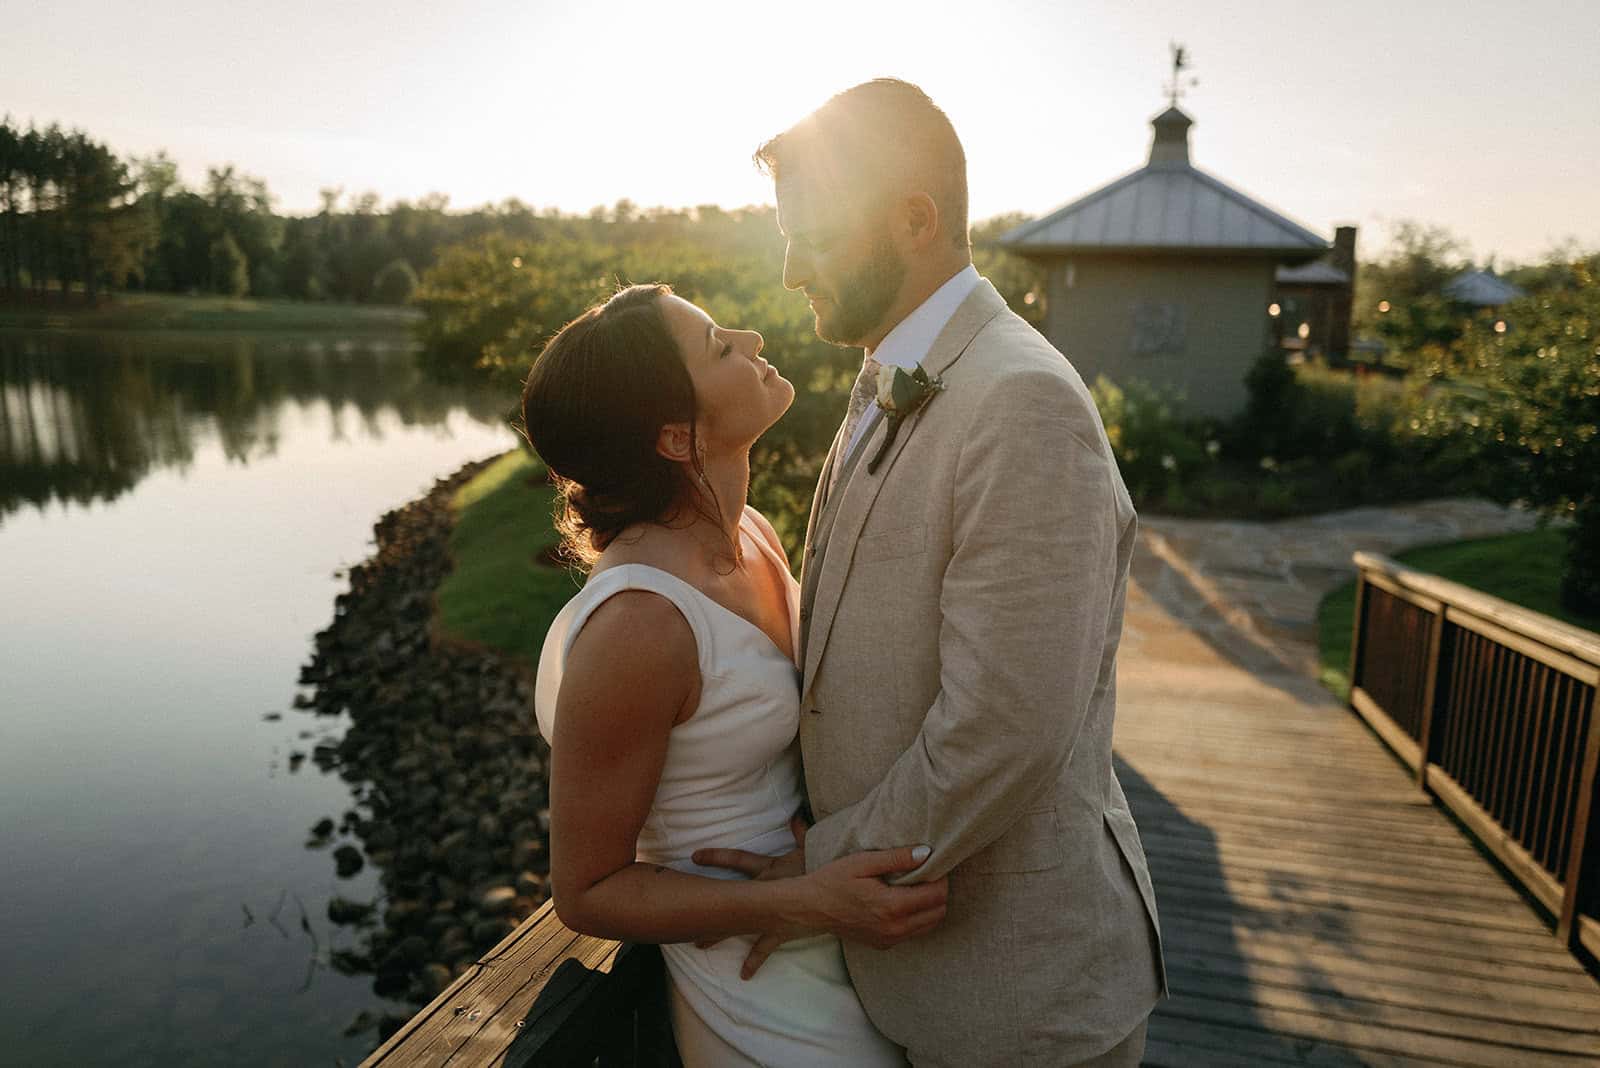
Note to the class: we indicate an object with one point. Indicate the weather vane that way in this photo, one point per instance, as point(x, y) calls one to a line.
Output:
point(1180, 62)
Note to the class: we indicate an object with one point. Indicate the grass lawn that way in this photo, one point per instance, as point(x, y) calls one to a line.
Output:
point(167, 311)
point(499, 594)
point(1524, 569)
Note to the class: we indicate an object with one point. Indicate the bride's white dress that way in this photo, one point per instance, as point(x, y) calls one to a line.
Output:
point(732, 778)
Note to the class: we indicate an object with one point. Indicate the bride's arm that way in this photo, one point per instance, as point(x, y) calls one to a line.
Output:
point(631, 676)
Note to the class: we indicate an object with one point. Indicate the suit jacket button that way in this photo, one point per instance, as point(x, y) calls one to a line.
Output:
point(805, 614)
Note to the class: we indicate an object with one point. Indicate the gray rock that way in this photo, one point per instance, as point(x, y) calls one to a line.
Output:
point(435, 977)
point(497, 900)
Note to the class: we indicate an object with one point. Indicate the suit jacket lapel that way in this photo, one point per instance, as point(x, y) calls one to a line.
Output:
point(857, 489)
point(815, 529)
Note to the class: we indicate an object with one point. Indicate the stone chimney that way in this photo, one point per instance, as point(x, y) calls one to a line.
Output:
point(1170, 148)
point(1343, 257)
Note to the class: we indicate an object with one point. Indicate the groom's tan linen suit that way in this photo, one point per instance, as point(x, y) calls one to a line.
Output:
point(960, 612)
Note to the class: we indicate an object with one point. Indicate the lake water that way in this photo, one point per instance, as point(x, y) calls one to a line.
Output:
point(175, 513)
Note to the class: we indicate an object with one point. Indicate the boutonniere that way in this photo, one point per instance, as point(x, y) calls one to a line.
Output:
point(900, 393)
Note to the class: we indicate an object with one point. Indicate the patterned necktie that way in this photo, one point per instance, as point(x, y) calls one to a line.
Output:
point(862, 395)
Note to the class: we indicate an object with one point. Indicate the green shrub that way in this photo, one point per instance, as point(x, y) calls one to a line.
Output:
point(1158, 450)
point(395, 283)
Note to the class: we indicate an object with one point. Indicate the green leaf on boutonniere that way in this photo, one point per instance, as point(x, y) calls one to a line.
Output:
point(900, 393)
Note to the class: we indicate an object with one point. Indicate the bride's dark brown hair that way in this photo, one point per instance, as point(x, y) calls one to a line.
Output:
point(593, 407)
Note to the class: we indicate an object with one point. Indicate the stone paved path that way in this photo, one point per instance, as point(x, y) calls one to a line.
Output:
point(1316, 907)
point(1259, 584)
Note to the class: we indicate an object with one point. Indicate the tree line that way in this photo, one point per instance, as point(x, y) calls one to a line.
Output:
point(76, 218)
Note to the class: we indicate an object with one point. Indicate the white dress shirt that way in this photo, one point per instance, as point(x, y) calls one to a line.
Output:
point(912, 337)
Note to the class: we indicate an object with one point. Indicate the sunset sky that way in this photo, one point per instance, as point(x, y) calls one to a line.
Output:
point(1480, 117)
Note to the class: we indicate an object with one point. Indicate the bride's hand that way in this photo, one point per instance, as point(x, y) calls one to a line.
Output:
point(850, 899)
point(854, 901)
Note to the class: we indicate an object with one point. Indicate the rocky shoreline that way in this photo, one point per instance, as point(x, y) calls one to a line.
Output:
point(445, 765)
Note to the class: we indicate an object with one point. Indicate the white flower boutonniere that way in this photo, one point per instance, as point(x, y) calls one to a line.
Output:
point(900, 393)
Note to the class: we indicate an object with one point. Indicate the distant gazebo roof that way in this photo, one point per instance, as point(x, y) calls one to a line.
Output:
point(1482, 288)
point(1168, 205)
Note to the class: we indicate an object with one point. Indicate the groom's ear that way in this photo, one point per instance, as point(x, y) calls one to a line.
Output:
point(920, 218)
point(675, 443)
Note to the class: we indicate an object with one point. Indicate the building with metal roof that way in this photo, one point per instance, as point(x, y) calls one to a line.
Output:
point(1166, 274)
point(1483, 289)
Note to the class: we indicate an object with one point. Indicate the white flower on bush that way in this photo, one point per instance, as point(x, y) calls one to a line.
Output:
point(1268, 464)
point(1169, 462)
point(1213, 448)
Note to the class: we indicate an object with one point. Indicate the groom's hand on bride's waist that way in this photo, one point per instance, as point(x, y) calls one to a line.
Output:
point(848, 897)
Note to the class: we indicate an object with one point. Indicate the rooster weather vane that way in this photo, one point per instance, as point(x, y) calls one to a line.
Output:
point(1178, 84)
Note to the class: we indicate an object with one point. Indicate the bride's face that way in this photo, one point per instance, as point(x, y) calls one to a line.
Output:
point(737, 393)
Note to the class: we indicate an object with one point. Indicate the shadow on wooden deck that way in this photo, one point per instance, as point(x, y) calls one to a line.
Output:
point(1317, 908)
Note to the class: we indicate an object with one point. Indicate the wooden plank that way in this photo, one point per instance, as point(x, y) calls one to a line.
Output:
point(1335, 912)
point(1567, 911)
point(433, 1016)
point(1244, 941)
point(1178, 1042)
point(1289, 757)
point(1426, 1020)
point(1430, 690)
point(1266, 892)
point(1578, 1006)
point(1491, 890)
point(1510, 852)
point(1568, 767)
point(1387, 729)
point(1228, 1044)
point(1328, 791)
point(1378, 934)
point(1588, 931)
point(1330, 842)
point(1583, 670)
point(1372, 859)
point(476, 1019)
point(1431, 605)
point(1452, 995)
point(1333, 1034)
point(1357, 628)
point(1539, 769)
point(1418, 815)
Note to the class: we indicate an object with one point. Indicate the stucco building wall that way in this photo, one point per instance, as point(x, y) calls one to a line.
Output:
point(1190, 323)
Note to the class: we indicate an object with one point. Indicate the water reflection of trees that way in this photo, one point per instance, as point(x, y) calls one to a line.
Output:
point(84, 417)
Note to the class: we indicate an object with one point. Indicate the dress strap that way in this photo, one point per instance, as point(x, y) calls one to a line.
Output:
point(690, 603)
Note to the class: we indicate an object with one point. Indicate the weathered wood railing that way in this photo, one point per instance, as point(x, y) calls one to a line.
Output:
point(544, 996)
point(1493, 707)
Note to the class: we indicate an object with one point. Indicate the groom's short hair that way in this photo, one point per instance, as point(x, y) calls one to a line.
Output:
point(881, 136)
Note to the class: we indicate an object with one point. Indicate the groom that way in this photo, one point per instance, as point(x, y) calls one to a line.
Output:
point(965, 571)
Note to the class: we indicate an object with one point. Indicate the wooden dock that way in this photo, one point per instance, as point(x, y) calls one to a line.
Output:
point(1317, 907)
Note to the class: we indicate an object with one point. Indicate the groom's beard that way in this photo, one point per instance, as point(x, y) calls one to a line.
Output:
point(862, 299)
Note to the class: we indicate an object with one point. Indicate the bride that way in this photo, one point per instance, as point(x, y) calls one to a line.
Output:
point(669, 693)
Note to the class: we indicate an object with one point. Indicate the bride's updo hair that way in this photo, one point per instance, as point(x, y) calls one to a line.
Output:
point(593, 407)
